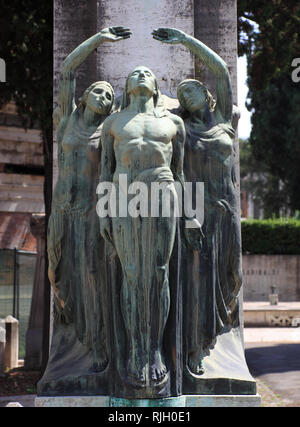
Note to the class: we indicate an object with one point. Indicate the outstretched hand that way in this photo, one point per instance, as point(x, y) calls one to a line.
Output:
point(168, 35)
point(115, 34)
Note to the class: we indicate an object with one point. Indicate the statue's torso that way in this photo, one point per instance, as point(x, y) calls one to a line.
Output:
point(141, 142)
point(78, 161)
point(209, 158)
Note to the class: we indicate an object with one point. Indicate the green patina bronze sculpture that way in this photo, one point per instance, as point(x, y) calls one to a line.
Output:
point(144, 142)
point(146, 308)
point(213, 274)
point(75, 248)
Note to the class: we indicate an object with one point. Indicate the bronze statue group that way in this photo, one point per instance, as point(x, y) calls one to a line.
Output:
point(111, 277)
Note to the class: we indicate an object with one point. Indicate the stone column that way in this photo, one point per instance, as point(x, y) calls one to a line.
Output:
point(34, 336)
point(170, 64)
point(74, 22)
point(216, 26)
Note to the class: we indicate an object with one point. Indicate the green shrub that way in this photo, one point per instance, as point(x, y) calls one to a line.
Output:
point(271, 236)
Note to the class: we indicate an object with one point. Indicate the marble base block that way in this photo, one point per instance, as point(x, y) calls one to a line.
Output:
point(181, 401)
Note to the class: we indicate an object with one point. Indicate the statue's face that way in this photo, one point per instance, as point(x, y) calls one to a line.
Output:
point(194, 96)
point(141, 78)
point(100, 99)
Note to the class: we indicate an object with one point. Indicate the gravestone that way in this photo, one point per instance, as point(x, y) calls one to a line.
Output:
point(12, 342)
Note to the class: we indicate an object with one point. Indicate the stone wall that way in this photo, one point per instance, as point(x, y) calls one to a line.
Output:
point(260, 272)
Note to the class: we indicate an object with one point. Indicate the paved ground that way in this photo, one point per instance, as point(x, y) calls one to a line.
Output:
point(273, 357)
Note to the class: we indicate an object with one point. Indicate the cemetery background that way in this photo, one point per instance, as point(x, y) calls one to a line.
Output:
point(25, 287)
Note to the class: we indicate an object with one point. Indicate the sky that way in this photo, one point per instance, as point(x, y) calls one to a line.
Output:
point(244, 128)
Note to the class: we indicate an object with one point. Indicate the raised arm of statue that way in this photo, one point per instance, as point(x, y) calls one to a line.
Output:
point(66, 92)
point(75, 58)
point(211, 60)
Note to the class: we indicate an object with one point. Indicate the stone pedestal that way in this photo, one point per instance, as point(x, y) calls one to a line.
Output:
point(205, 401)
point(273, 298)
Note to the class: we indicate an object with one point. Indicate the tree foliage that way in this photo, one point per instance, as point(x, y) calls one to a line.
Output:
point(269, 36)
point(26, 34)
point(278, 236)
point(265, 189)
point(26, 46)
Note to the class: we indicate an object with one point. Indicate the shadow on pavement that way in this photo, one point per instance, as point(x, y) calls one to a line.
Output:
point(265, 358)
point(277, 366)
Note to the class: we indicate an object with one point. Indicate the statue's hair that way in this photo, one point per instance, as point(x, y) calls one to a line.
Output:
point(211, 102)
point(159, 104)
point(83, 99)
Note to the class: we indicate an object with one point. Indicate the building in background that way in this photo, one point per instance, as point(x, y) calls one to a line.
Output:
point(21, 196)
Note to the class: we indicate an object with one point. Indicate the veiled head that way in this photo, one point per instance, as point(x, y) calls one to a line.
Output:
point(99, 97)
point(194, 96)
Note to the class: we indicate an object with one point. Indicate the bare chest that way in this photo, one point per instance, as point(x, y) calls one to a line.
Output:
point(143, 128)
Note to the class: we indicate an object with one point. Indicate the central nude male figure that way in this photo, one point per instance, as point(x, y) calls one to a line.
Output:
point(145, 142)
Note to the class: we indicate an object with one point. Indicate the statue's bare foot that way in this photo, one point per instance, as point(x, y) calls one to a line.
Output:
point(195, 363)
point(158, 369)
point(136, 370)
